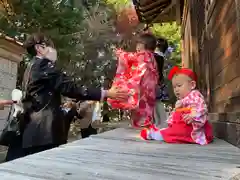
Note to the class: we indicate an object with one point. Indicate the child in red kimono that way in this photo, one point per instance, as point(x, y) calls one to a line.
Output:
point(137, 72)
point(188, 123)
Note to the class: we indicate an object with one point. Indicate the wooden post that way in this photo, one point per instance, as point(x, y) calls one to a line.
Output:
point(178, 12)
point(194, 36)
point(237, 2)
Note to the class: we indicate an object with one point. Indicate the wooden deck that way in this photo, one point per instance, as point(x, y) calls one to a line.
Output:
point(121, 155)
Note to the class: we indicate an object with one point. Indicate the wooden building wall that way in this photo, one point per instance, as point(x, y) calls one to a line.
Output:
point(214, 55)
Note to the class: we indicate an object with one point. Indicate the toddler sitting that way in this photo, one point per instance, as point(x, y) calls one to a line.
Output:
point(188, 122)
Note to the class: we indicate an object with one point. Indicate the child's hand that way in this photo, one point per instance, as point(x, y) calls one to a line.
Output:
point(188, 118)
point(6, 102)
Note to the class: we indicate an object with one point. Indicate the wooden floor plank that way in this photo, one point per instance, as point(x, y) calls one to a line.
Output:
point(121, 154)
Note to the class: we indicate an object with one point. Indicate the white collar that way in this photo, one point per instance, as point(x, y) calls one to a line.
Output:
point(160, 53)
point(39, 57)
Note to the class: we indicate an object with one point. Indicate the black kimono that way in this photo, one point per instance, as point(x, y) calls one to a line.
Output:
point(44, 120)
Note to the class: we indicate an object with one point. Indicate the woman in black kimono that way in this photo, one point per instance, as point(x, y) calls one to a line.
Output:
point(43, 122)
point(159, 116)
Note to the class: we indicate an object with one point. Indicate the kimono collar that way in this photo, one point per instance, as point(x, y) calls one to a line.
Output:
point(160, 53)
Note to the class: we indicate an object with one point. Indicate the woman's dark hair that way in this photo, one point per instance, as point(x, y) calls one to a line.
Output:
point(36, 38)
point(160, 64)
point(148, 40)
point(162, 44)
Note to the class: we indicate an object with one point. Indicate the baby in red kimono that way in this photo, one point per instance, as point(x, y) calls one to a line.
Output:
point(137, 73)
point(188, 122)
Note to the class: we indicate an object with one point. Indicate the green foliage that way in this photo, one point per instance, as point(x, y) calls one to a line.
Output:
point(81, 35)
point(83, 32)
point(55, 20)
point(171, 32)
point(119, 4)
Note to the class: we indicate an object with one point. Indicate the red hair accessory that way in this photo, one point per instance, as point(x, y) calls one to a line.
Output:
point(176, 70)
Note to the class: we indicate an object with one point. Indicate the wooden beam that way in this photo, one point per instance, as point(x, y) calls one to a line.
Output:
point(165, 18)
point(184, 16)
point(238, 16)
point(152, 11)
point(178, 12)
point(149, 2)
point(154, 5)
point(166, 10)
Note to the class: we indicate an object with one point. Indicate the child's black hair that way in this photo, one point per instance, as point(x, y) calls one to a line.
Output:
point(148, 40)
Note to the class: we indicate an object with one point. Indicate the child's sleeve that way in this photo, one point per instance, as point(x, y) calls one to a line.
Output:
point(125, 56)
point(169, 119)
point(199, 108)
point(141, 66)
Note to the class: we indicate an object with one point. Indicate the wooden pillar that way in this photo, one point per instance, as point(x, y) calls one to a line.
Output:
point(178, 12)
point(237, 2)
point(194, 36)
point(185, 35)
point(182, 52)
point(237, 5)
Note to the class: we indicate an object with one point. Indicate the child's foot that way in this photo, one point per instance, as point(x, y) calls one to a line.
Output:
point(147, 133)
point(151, 133)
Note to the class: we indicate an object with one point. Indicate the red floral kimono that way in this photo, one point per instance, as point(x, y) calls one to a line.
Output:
point(137, 72)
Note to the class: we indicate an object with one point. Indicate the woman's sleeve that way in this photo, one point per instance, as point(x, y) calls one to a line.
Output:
point(63, 83)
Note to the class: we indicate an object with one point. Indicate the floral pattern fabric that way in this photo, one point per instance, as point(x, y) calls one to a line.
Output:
point(137, 72)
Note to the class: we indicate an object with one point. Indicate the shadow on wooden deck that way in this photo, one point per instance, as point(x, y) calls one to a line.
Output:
point(121, 155)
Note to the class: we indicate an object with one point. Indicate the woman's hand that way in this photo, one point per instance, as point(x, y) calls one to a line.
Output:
point(117, 93)
point(5, 102)
point(90, 102)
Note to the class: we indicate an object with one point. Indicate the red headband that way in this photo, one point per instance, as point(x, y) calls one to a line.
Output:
point(176, 70)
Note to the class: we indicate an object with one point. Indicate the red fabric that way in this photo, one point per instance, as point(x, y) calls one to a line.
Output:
point(176, 70)
point(144, 134)
point(128, 77)
point(180, 132)
point(137, 73)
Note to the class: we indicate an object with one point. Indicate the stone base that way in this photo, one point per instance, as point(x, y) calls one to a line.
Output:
point(227, 126)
